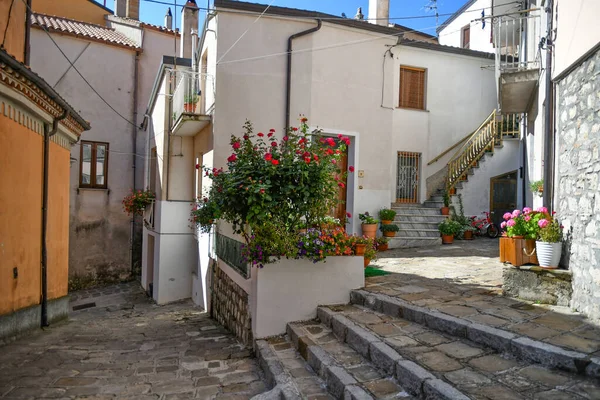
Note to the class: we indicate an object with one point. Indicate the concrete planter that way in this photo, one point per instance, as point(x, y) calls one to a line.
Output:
point(291, 290)
point(548, 254)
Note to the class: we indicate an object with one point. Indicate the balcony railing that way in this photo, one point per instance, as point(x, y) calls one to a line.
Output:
point(192, 89)
point(516, 39)
point(229, 251)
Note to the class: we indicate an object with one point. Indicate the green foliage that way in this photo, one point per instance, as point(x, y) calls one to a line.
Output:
point(136, 202)
point(370, 253)
point(361, 240)
point(449, 227)
point(382, 240)
point(386, 214)
point(536, 187)
point(191, 99)
point(204, 214)
point(465, 222)
point(446, 198)
point(551, 233)
point(389, 228)
point(367, 219)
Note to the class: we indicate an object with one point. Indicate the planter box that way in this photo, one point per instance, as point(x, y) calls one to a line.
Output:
point(515, 251)
point(291, 290)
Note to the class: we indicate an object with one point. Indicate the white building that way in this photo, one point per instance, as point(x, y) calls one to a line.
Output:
point(402, 102)
point(119, 61)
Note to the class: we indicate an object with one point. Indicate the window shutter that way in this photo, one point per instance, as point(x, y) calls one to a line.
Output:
point(412, 88)
point(466, 37)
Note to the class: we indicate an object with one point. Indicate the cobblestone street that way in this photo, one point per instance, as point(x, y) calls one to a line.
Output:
point(128, 348)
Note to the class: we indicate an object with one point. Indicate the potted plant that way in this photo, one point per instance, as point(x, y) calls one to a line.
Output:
point(189, 103)
point(370, 254)
point(446, 209)
point(369, 225)
point(468, 232)
point(537, 187)
point(448, 228)
point(136, 202)
point(549, 246)
point(389, 230)
point(360, 243)
point(386, 216)
point(382, 243)
point(517, 244)
point(302, 226)
point(204, 214)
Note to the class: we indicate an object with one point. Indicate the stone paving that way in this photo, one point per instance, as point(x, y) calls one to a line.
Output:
point(128, 348)
point(465, 280)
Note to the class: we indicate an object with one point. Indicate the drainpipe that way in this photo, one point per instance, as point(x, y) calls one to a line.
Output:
point(288, 95)
point(134, 146)
point(27, 33)
point(549, 128)
point(47, 135)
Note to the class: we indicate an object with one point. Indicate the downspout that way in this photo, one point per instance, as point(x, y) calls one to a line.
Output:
point(548, 122)
point(288, 94)
point(47, 135)
point(134, 146)
point(27, 33)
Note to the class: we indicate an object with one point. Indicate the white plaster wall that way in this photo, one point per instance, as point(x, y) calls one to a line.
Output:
point(476, 192)
point(451, 35)
point(291, 290)
point(177, 259)
point(577, 31)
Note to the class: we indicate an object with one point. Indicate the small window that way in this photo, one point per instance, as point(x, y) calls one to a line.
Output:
point(93, 171)
point(466, 37)
point(412, 87)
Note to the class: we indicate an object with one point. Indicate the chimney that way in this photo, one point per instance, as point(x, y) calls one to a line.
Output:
point(379, 12)
point(127, 9)
point(169, 19)
point(189, 23)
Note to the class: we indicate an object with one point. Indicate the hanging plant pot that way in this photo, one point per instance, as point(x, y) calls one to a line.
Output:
point(445, 210)
point(447, 239)
point(359, 249)
point(548, 254)
point(369, 230)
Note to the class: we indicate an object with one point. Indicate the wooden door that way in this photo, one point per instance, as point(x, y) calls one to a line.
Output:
point(503, 195)
point(407, 178)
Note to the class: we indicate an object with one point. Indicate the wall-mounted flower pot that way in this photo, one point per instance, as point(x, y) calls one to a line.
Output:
point(447, 239)
point(445, 210)
point(369, 230)
point(359, 249)
point(548, 254)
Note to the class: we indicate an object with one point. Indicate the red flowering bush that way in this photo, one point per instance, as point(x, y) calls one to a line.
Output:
point(136, 202)
point(285, 183)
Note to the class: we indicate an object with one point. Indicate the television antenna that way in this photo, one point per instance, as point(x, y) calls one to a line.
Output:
point(432, 5)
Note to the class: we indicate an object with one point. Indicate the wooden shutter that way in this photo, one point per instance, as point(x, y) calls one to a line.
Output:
point(412, 88)
point(466, 37)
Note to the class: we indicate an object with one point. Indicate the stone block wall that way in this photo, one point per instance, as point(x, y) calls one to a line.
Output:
point(539, 285)
point(229, 305)
point(578, 170)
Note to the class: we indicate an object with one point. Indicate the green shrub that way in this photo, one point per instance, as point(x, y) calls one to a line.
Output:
point(386, 214)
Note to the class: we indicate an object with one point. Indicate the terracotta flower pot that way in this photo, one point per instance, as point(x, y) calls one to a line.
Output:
point(386, 222)
point(447, 239)
point(302, 230)
point(359, 249)
point(383, 247)
point(445, 210)
point(369, 230)
point(468, 235)
point(367, 262)
point(389, 234)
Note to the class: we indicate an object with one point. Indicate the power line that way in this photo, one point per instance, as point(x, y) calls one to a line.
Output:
point(79, 73)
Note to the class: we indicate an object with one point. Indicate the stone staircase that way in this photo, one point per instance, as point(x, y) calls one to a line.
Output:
point(418, 223)
point(380, 347)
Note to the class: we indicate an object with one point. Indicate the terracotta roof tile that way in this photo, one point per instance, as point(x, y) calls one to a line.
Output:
point(81, 29)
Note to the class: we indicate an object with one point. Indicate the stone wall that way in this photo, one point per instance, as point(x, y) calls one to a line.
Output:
point(578, 194)
point(537, 284)
point(229, 306)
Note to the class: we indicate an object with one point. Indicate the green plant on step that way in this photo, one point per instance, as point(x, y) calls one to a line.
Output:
point(367, 219)
point(382, 240)
point(446, 198)
point(465, 222)
point(537, 187)
point(389, 228)
point(449, 227)
point(386, 214)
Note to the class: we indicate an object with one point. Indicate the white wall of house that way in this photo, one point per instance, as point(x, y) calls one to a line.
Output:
point(451, 34)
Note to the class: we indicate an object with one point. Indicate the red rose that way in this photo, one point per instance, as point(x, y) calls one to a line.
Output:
point(316, 157)
point(197, 166)
point(303, 119)
point(340, 136)
point(232, 158)
point(351, 168)
point(271, 130)
point(341, 184)
point(307, 160)
point(273, 144)
point(246, 137)
point(285, 138)
point(236, 145)
point(334, 161)
point(275, 162)
point(294, 129)
point(262, 191)
point(268, 156)
point(260, 134)
point(270, 134)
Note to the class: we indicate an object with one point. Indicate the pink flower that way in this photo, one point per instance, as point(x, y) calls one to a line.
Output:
point(351, 168)
point(348, 215)
point(341, 184)
point(507, 216)
point(542, 223)
point(511, 222)
point(527, 210)
point(232, 158)
point(334, 161)
point(236, 145)
point(340, 136)
point(516, 213)
point(503, 225)
point(542, 210)
point(528, 218)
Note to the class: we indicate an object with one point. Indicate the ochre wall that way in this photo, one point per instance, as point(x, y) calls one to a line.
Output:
point(21, 162)
point(15, 36)
point(80, 10)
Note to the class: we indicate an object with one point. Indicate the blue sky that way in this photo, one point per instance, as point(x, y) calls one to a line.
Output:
point(154, 13)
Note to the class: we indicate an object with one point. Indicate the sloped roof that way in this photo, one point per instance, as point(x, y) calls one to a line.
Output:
point(137, 23)
point(81, 29)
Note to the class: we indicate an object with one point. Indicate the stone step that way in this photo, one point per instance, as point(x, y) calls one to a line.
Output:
point(341, 358)
point(422, 218)
point(418, 225)
point(418, 232)
point(438, 198)
point(286, 373)
point(405, 242)
point(572, 364)
point(459, 365)
point(433, 204)
point(416, 210)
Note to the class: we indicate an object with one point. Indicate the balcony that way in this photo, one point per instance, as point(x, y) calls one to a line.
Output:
point(516, 39)
point(191, 113)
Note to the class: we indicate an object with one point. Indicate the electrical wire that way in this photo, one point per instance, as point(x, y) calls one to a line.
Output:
point(79, 73)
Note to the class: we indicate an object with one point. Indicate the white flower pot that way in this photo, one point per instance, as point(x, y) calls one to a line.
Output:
point(548, 254)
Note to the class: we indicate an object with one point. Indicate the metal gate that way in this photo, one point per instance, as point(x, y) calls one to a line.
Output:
point(407, 185)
